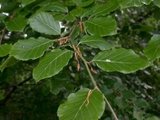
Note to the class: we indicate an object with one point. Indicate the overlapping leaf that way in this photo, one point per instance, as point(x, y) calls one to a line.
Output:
point(5, 49)
point(96, 42)
point(18, 23)
point(102, 26)
point(84, 105)
point(30, 49)
point(45, 23)
point(120, 60)
point(51, 64)
point(106, 8)
point(152, 51)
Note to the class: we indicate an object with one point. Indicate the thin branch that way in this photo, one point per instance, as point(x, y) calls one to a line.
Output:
point(76, 49)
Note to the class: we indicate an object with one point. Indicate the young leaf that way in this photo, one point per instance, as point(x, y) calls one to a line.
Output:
point(51, 64)
point(152, 51)
point(16, 24)
point(45, 23)
point(5, 49)
point(120, 60)
point(30, 49)
point(96, 42)
point(84, 105)
point(102, 26)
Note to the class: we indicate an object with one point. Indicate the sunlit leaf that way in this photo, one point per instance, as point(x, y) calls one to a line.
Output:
point(84, 105)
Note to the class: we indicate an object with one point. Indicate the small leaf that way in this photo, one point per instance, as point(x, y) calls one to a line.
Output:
point(45, 23)
point(83, 3)
point(120, 60)
point(84, 105)
point(30, 49)
point(18, 23)
point(5, 49)
point(96, 42)
point(102, 26)
point(51, 64)
point(152, 51)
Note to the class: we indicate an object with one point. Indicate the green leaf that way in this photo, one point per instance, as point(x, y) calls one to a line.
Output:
point(102, 26)
point(84, 105)
point(26, 2)
point(2, 94)
point(51, 64)
point(96, 42)
point(7, 63)
point(56, 85)
point(133, 3)
point(153, 118)
point(152, 51)
point(30, 49)
point(45, 23)
point(18, 23)
point(56, 7)
point(157, 3)
point(109, 6)
point(120, 60)
point(5, 49)
point(83, 3)
point(138, 115)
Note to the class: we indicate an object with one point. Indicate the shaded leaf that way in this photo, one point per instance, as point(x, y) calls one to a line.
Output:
point(30, 49)
point(26, 2)
point(18, 23)
point(83, 3)
point(120, 60)
point(102, 26)
point(152, 51)
point(84, 105)
point(45, 23)
point(56, 7)
point(2, 94)
point(7, 63)
point(96, 42)
point(153, 118)
point(106, 8)
point(157, 3)
point(5, 49)
point(133, 3)
point(51, 64)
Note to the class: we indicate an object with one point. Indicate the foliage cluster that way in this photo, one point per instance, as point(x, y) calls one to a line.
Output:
point(80, 59)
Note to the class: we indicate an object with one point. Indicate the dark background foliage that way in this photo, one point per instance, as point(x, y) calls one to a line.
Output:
point(133, 96)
